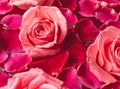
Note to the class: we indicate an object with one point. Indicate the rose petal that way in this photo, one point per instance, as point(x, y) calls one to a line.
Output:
point(87, 78)
point(111, 23)
point(12, 21)
point(12, 41)
point(70, 78)
point(87, 7)
point(70, 17)
point(17, 61)
point(3, 56)
point(76, 50)
point(86, 30)
point(72, 4)
point(115, 85)
point(3, 78)
point(52, 64)
point(5, 6)
point(106, 14)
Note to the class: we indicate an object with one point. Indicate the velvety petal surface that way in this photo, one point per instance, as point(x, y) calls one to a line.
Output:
point(16, 62)
point(51, 64)
point(12, 21)
point(70, 78)
point(12, 41)
point(87, 78)
point(5, 6)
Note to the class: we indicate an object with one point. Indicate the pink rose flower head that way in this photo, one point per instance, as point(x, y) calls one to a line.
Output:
point(33, 79)
point(104, 55)
point(43, 29)
point(25, 4)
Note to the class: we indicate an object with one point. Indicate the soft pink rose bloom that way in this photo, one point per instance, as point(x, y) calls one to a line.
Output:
point(25, 4)
point(33, 79)
point(104, 55)
point(43, 29)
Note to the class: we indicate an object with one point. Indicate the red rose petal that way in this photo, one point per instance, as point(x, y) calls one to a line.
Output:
point(86, 30)
point(87, 78)
point(72, 4)
point(51, 64)
point(5, 6)
point(77, 52)
point(87, 7)
point(3, 78)
point(12, 41)
point(70, 78)
point(106, 14)
point(16, 61)
point(12, 21)
point(3, 56)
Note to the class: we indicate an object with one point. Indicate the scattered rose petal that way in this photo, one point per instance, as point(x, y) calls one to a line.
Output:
point(111, 23)
point(12, 41)
point(87, 78)
point(86, 30)
point(115, 85)
point(3, 78)
point(16, 61)
point(51, 64)
point(106, 14)
point(12, 21)
point(70, 78)
point(87, 7)
point(72, 4)
point(77, 52)
point(70, 17)
point(3, 56)
point(5, 6)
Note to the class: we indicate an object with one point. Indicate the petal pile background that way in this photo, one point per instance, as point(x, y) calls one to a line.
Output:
point(60, 44)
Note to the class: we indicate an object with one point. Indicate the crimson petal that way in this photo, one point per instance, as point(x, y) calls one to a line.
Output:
point(86, 30)
point(12, 21)
point(51, 64)
point(3, 56)
point(72, 4)
point(17, 61)
point(3, 78)
point(115, 85)
point(12, 41)
point(111, 23)
point(88, 7)
point(87, 78)
point(5, 6)
point(70, 78)
point(70, 17)
point(77, 52)
point(106, 14)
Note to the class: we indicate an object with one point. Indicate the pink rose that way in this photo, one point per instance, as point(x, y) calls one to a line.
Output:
point(25, 4)
point(33, 79)
point(104, 55)
point(43, 29)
